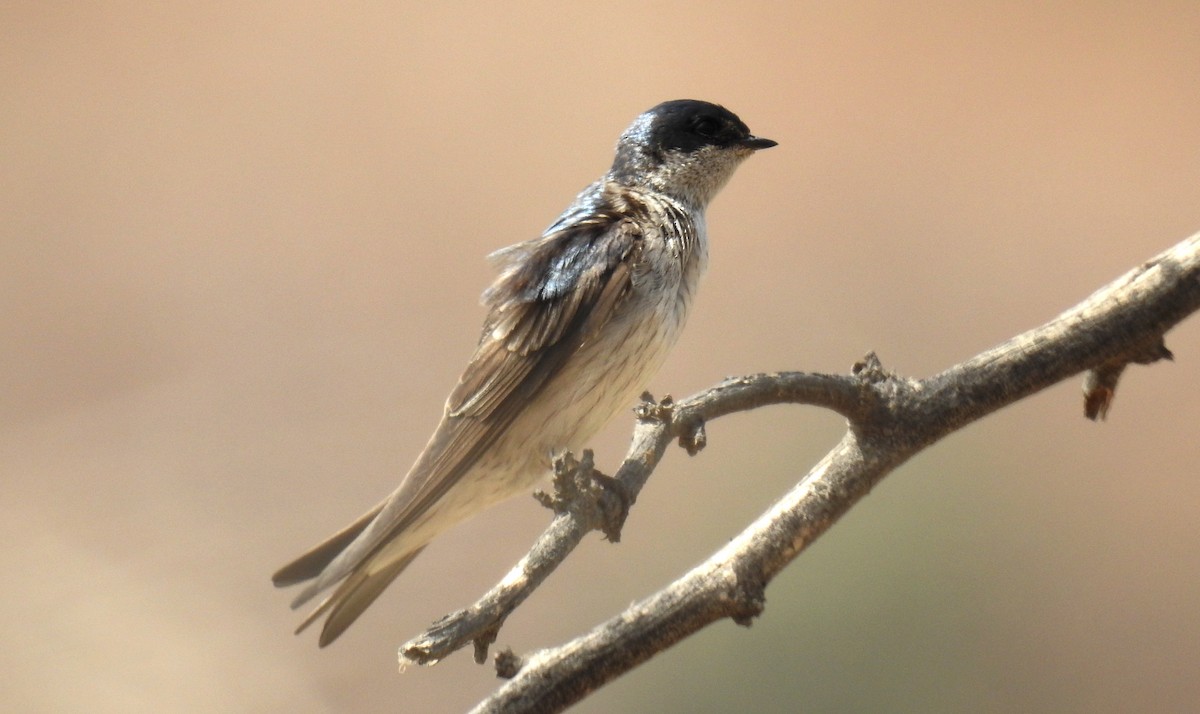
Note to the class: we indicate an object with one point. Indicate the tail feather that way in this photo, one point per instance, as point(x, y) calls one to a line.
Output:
point(354, 595)
point(310, 565)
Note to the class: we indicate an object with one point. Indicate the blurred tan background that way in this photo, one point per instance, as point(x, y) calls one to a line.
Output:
point(240, 254)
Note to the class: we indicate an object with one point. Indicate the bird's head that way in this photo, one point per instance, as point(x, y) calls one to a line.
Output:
point(684, 148)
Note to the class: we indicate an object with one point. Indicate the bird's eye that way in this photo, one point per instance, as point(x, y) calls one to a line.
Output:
point(707, 127)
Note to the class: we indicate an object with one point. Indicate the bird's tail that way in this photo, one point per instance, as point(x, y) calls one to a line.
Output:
point(353, 594)
point(310, 565)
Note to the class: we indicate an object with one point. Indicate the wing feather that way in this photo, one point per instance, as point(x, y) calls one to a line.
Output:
point(536, 302)
point(553, 294)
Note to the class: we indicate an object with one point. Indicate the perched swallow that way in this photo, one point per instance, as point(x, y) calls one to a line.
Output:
point(578, 321)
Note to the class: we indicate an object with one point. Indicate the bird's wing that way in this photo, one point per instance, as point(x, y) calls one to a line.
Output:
point(552, 295)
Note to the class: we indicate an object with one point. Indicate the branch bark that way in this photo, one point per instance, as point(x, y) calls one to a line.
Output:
point(890, 418)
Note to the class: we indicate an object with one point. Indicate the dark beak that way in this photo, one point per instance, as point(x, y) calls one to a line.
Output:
point(757, 142)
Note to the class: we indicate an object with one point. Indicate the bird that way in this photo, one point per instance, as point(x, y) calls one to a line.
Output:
point(578, 320)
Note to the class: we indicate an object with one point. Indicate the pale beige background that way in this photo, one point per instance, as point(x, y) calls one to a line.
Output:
point(240, 252)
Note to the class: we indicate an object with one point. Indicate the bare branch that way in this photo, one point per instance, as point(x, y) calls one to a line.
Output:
point(658, 424)
point(891, 418)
